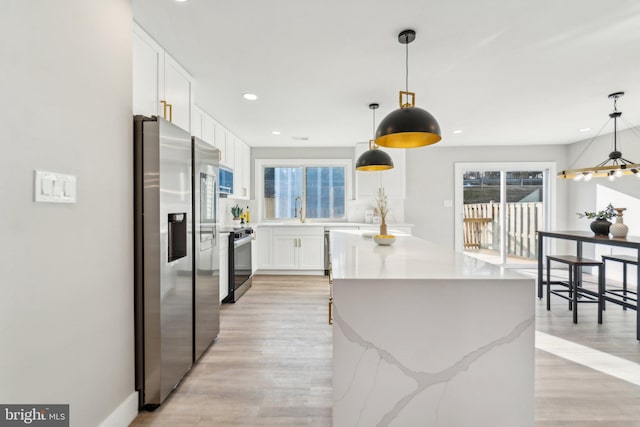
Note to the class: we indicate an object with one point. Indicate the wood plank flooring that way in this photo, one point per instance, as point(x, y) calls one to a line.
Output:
point(271, 365)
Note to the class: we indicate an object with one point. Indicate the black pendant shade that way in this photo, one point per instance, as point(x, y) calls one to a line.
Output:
point(408, 127)
point(374, 160)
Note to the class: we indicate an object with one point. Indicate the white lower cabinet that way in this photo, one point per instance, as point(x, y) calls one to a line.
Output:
point(224, 265)
point(296, 248)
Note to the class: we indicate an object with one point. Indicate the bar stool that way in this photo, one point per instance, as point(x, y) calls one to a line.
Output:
point(573, 289)
point(616, 295)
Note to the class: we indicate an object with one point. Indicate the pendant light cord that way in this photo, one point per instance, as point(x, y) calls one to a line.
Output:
point(374, 123)
point(406, 79)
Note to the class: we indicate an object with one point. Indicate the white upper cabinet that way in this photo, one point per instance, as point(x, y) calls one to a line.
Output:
point(177, 94)
point(197, 123)
point(393, 180)
point(148, 72)
point(246, 171)
point(229, 155)
point(161, 87)
point(209, 129)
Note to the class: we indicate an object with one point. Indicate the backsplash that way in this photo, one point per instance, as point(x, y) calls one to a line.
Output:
point(226, 203)
point(356, 210)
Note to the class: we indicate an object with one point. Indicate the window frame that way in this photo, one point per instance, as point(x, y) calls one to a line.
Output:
point(261, 164)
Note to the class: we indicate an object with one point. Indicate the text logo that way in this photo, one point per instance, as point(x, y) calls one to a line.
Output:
point(34, 415)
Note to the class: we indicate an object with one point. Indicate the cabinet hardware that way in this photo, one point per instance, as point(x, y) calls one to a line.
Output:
point(164, 110)
point(244, 192)
point(331, 311)
point(299, 243)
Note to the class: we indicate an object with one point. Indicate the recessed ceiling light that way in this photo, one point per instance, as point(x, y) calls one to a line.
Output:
point(457, 131)
point(276, 132)
point(182, 1)
point(250, 96)
point(585, 129)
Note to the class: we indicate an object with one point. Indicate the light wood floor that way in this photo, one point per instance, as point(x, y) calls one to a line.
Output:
point(271, 365)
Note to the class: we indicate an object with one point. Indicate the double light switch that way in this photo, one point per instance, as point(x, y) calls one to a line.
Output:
point(54, 187)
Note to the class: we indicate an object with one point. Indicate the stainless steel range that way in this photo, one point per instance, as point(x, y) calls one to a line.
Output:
point(240, 272)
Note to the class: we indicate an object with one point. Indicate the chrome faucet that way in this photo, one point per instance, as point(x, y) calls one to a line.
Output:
point(300, 211)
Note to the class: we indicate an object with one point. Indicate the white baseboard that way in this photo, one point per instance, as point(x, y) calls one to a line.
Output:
point(124, 414)
point(291, 272)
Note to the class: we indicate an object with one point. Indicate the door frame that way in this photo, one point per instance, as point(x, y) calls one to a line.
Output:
point(548, 192)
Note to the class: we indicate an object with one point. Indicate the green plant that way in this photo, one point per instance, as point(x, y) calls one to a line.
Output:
point(236, 211)
point(607, 213)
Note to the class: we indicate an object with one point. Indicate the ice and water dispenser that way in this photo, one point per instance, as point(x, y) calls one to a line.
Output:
point(177, 236)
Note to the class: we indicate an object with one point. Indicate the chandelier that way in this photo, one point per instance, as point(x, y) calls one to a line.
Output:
point(615, 165)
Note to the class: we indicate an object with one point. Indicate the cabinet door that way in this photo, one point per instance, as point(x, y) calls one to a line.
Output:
point(177, 92)
point(393, 180)
point(263, 248)
point(246, 171)
point(224, 265)
point(238, 171)
point(148, 73)
point(311, 251)
point(284, 250)
point(197, 123)
point(229, 156)
point(209, 129)
point(220, 141)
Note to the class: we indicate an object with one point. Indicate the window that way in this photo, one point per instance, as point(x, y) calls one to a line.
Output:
point(320, 190)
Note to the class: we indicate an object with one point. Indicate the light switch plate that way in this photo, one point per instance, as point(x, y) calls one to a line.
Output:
point(447, 204)
point(52, 187)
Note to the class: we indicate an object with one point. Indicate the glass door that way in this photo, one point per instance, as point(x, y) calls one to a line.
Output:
point(501, 209)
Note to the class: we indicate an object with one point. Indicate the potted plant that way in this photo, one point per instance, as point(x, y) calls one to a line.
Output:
point(236, 211)
point(600, 225)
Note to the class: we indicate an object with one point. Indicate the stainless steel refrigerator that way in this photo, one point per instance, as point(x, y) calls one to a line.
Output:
point(163, 257)
point(206, 246)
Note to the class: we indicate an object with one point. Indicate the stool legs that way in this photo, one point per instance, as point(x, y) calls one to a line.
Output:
point(600, 292)
point(624, 285)
point(574, 293)
point(548, 285)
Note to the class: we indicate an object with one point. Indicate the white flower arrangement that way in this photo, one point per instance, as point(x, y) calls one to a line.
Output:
point(383, 208)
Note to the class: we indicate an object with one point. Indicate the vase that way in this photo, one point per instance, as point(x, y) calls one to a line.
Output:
point(619, 229)
point(383, 229)
point(600, 227)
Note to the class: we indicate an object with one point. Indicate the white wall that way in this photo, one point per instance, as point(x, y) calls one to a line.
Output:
point(66, 308)
point(430, 181)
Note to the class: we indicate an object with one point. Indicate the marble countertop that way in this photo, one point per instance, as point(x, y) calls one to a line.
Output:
point(356, 256)
point(322, 224)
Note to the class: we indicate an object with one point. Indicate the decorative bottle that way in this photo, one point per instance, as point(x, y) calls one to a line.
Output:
point(619, 229)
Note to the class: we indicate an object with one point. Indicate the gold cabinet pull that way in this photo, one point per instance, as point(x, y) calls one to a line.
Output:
point(164, 108)
point(331, 311)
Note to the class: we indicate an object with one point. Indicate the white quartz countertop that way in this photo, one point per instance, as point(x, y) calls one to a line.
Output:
point(355, 256)
point(322, 224)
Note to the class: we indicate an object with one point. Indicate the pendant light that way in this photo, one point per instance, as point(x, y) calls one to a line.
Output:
point(408, 126)
point(615, 165)
point(374, 159)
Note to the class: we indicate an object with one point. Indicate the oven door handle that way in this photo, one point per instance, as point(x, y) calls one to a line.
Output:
point(242, 241)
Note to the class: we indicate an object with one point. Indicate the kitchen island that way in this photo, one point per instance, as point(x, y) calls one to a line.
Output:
point(427, 336)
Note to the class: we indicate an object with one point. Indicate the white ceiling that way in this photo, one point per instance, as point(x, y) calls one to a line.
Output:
point(502, 71)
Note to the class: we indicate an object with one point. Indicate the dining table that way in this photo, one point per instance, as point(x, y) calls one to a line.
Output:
point(581, 237)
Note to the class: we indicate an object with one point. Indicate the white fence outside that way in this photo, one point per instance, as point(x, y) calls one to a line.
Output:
point(522, 221)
